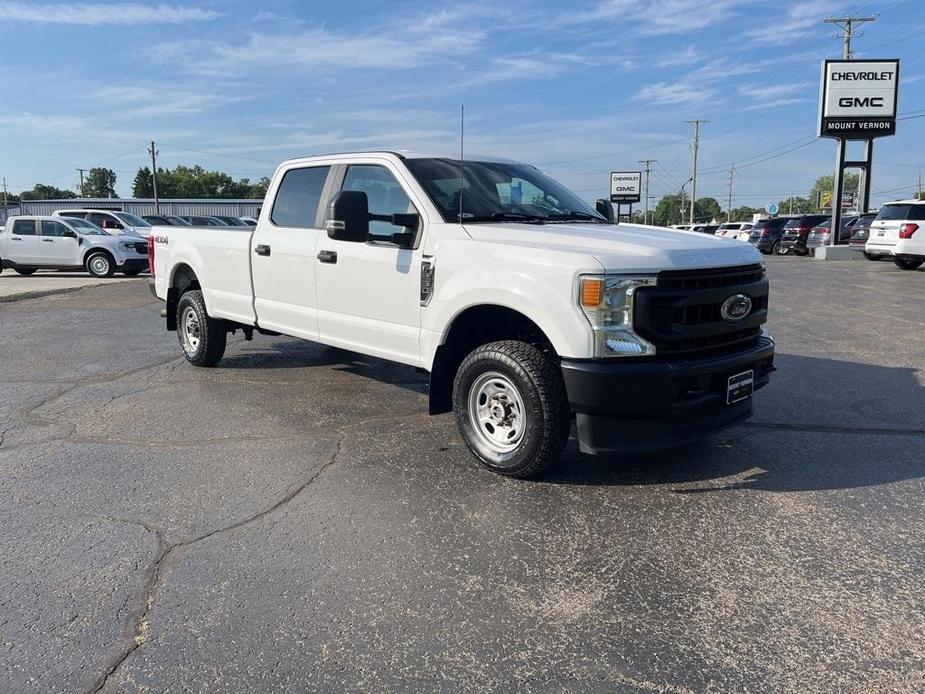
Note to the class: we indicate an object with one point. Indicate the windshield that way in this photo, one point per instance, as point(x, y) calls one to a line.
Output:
point(132, 220)
point(495, 191)
point(176, 221)
point(85, 227)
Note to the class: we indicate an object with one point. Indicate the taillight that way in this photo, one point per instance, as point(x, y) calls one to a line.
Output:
point(802, 230)
point(765, 232)
point(151, 255)
point(907, 230)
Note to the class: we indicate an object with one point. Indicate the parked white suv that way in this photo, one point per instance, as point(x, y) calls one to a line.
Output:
point(59, 243)
point(523, 303)
point(112, 221)
point(898, 231)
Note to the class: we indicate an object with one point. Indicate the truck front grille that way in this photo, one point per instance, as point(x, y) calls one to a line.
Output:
point(682, 313)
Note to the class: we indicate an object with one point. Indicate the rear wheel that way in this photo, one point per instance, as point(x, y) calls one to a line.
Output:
point(101, 265)
point(776, 250)
point(202, 338)
point(511, 407)
point(25, 272)
point(871, 256)
point(908, 263)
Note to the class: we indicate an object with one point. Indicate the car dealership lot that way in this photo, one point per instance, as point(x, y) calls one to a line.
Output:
point(293, 519)
point(14, 286)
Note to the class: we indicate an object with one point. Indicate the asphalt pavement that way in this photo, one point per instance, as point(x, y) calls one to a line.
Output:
point(14, 286)
point(293, 520)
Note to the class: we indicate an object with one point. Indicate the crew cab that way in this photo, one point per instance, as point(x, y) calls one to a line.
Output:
point(112, 221)
point(31, 243)
point(899, 231)
point(525, 305)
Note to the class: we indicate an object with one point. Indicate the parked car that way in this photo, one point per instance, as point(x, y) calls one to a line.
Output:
point(705, 228)
point(231, 221)
point(378, 253)
point(249, 221)
point(796, 231)
point(819, 234)
point(170, 220)
point(732, 229)
point(60, 243)
point(859, 234)
point(897, 231)
point(198, 220)
point(765, 234)
point(113, 221)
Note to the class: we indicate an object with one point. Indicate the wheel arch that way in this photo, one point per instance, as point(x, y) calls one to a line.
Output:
point(182, 279)
point(470, 328)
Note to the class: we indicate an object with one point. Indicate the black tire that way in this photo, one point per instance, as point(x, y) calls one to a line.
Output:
point(202, 342)
point(909, 263)
point(871, 256)
point(537, 383)
point(25, 272)
point(131, 272)
point(775, 248)
point(97, 267)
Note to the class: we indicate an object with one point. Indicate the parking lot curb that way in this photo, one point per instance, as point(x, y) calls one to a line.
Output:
point(23, 296)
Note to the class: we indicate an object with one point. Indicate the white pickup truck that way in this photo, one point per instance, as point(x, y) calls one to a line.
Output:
point(524, 304)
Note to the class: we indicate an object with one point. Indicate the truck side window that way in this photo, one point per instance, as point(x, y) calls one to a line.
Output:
point(386, 196)
point(24, 227)
point(298, 196)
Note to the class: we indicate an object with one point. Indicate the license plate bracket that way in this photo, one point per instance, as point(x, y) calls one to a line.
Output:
point(740, 386)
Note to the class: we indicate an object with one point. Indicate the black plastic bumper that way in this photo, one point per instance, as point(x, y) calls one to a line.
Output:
point(653, 405)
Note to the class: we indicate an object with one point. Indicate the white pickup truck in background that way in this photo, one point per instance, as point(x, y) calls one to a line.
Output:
point(524, 304)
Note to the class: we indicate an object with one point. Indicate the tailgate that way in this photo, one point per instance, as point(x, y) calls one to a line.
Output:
point(884, 232)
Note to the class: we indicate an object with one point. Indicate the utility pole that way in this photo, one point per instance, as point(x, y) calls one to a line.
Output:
point(82, 171)
point(919, 196)
point(696, 124)
point(847, 25)
point(153, 152)
point(648, 164)
point(732, 173)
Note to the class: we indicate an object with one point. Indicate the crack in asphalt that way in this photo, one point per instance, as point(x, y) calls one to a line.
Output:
point(139, 624)
point(833, 429)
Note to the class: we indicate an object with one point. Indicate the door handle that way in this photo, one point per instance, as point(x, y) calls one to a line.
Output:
point(262, 249)
point(16, 238)
point(329, 257)
point(48, 240)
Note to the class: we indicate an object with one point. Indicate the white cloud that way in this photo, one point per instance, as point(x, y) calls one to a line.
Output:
point(92, 14)
point(661, 16)
point(688, 56)
point(803, 19)
point(674, 93)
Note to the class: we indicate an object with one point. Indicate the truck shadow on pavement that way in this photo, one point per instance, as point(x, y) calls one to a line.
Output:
point(821, 424)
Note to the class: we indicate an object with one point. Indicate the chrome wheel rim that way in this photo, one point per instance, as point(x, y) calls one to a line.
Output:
point(497, 412)
point(190, 331)
point(99, 265)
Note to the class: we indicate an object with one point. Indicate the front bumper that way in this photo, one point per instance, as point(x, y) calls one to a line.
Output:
point(140, 264)
point(641, 406)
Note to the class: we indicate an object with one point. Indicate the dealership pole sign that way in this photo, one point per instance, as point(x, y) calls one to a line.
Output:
point(625, 187)
point(858, 99)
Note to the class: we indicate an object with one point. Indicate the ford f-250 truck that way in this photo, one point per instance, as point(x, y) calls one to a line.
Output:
point(525, 304)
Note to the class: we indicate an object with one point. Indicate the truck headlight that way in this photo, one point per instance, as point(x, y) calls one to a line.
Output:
point(607, 302)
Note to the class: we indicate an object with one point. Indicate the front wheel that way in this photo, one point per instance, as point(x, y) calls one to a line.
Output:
point(202, 338)
point(101, 265)
point(908, 263)
point(25, 272)
point(511, 407)
point(775, 249)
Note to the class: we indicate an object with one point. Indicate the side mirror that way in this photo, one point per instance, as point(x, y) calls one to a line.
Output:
point(605, 208)
point(348, 216)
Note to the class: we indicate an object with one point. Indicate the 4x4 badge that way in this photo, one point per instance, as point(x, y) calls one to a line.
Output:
point(736, 307)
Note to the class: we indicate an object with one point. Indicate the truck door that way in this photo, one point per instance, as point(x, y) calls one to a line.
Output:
point(25, 244)
point(369, 293)
point(283, 253)
point(59, 244)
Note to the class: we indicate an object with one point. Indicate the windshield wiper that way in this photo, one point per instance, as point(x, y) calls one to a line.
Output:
point(576, 216)
point(505, 217)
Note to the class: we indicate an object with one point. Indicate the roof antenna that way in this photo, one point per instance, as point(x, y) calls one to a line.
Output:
point(462, 139)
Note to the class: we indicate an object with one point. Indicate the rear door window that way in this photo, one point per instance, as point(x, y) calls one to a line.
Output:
point(296, 203)
point(24, 227)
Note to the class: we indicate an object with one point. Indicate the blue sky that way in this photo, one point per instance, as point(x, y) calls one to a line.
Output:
point(578, 88)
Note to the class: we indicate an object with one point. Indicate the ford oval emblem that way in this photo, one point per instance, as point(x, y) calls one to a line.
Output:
point(736, 307)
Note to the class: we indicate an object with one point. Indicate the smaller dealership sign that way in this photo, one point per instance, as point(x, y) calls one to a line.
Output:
point(625, 186)
point(825, 200)
point(857, 100)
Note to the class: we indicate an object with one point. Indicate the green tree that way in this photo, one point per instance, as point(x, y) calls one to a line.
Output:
point(196, 182)
point(707, 209)
point(744, 213)
point(827, 183)
point(100, 183)
point(143, 186)
point(668, 210)
point(797, 205)
point(43, 191)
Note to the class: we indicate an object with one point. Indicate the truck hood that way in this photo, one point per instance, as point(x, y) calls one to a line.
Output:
point(623, 247)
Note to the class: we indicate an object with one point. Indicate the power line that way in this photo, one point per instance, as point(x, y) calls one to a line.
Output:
point(847, 25)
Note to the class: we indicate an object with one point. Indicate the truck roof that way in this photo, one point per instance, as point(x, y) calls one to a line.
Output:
point(402, 154)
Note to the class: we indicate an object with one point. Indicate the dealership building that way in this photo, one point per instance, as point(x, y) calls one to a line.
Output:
point(139, 206)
